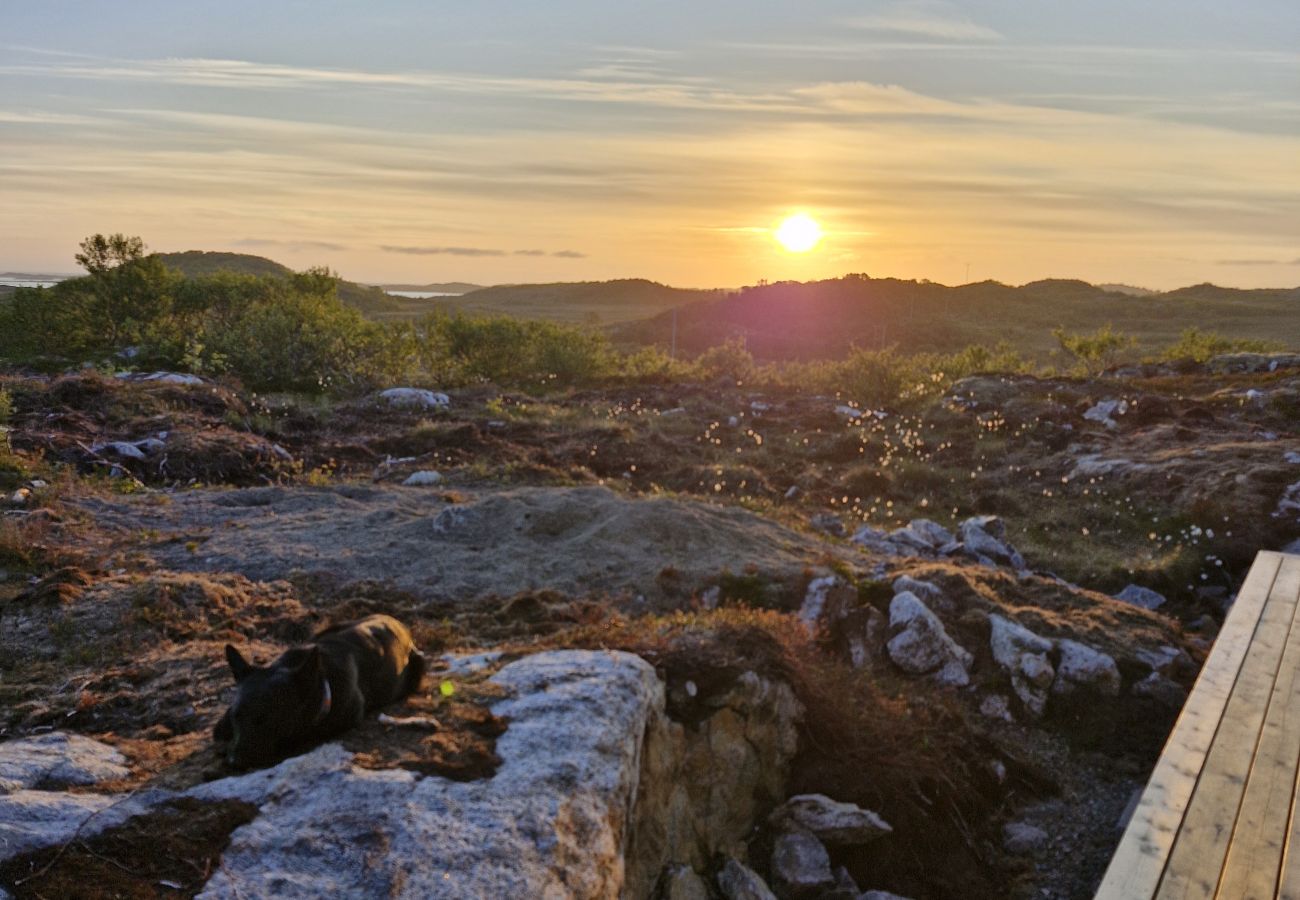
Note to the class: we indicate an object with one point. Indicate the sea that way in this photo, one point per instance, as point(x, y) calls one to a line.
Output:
point(421, 295)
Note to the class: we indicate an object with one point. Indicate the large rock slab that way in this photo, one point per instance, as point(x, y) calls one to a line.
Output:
point(551, 823)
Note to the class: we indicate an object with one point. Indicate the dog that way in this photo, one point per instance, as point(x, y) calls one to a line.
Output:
point(318, 691)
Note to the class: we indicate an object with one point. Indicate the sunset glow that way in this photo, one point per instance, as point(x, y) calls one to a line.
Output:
point(799, 233)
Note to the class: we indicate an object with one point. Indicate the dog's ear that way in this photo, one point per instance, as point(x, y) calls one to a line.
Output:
point(239, 667)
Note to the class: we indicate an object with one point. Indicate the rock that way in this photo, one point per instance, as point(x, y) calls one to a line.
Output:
point(864, 632)
point(759, 406)
point(792, 492)
point(1106, 411)
point(1232, 363)
point(681, 883)
point(1162, 690)
point(849, 412)
point(470, 663)
point(675, 411)
point(830, 821)
point(801, 867)
point(551, 822)
point(30, 819)
point(933, 532)
point(1021, 838)
point(995, 706)
point(161, 377)
point(930, 593)
point(921, 645)
point(814, 601)
point(1023, 655)
point(124, 449)
point(737, 881)
point(1141, 596)
point(873, 539)
point(982, 536)
point(880, 895)
point(1083, 667)
point(58, 759)
point(828, 523)
point(414, 398)
point(423, 478)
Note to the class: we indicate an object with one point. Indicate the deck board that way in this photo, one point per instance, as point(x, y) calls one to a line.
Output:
point(1144, 853)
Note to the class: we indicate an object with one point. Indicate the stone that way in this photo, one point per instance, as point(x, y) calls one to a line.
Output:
point(1083, 667)
point(423, 478)
point(414, 398)
point(1106, 411)
point(1162, 690)
point(933, 532)
point(1021, 838)
point(58, 759)
point(865, 632)
point(1023, 655)
point(828, 523)
point(830, 821)
point(995, 706)
point(982, 537)
point(814, 601)
point(551, 822)
point(737, 881)
point(1141, 596)
point(880, 895)
point(32, 819)
point(162, 377)
point(801, 867)
point(920, 644)
point(681, 883)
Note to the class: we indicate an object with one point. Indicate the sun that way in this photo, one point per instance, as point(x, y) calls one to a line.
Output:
point(799, 233)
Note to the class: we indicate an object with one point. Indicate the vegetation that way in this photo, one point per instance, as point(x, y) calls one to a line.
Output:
point(1198, 346)
point(1097, 351)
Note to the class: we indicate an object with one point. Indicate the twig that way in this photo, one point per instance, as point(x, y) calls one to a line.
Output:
point(63, 848)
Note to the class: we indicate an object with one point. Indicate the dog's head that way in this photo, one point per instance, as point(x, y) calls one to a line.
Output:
point(275, 706)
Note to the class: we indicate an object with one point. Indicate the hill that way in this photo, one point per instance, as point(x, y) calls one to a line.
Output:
point(793, 320)
point(197, 263)
point(608, 302)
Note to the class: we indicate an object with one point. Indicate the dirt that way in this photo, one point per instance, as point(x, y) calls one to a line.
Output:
point(169, 852)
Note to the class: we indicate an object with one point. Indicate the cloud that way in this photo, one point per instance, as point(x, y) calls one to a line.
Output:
point(442, 251)
point(291, 245)
point(569, 254)
point(530, 253)
point(936, 21)
point(1258, 262)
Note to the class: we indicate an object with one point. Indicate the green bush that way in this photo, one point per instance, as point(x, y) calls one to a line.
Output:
point(1199, 346)
point(1094, 352)
point(727, 360)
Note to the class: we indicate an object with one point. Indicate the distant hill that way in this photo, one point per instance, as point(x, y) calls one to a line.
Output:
point(1129, 289)
point(604, 302)
point(197, 263)
point(793, 320)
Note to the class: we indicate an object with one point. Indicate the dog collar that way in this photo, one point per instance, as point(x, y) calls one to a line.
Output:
point(326, 700)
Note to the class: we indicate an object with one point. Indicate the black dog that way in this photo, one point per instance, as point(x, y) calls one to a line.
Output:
point(319, 691)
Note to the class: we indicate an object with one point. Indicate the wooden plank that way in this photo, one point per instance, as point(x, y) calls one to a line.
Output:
point(1197, 858)
point(1140, 859)
point(1263, 823)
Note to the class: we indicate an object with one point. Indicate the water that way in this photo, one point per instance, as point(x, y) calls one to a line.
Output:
point(19, 279)
point(421, 295)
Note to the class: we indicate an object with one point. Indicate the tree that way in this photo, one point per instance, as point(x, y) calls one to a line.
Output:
point(1096, 352)
point(99, 252)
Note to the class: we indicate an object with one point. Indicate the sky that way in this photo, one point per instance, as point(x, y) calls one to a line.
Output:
point(1153, 143)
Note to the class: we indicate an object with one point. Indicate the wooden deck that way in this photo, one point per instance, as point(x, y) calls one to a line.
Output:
point(1217, 818)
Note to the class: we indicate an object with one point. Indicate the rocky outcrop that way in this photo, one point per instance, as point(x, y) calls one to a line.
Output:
point(414, 398)
point(981, 538)
point(801, 867)
point(1141, 596)
point(1024, 656)
point(1083, 667)
point(920, 644)
point(830, 821)
point(597, 794)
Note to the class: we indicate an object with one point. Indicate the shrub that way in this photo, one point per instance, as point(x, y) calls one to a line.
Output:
point(727, 360)
point(1094, 352)
point(1199, 346)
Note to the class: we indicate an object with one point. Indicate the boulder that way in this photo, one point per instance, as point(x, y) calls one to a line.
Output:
point(1083, 667)
point(934, 533)
point(33, 819)
point(58, 759)
point(1023, 655)
point(414, 398)
point(828, 523)
point(161, 377)
point(423, 478)
point(864, 631)
point(995, 706)
point(920, 644)
point(681, 883)
point(982, 538)
point(801, 867)
point(1141, 596)
point(830, 821)
point(1162, 690)
point(1106, 411)
point(930, 593)
point(814, 601)
point(737, 881)
point(880, 895)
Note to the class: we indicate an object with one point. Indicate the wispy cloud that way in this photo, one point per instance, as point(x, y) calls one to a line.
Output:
point(933, 20)
point(530, 253)
point(569, 254)
point(443, 251)
point(289, 244)
point(1258, 262)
